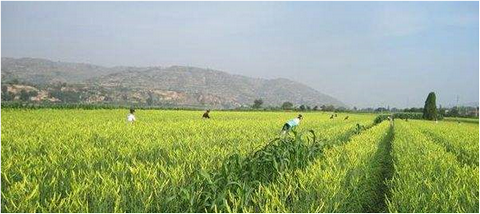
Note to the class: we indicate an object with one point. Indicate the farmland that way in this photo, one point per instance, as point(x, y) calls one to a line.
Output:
point(173, 161)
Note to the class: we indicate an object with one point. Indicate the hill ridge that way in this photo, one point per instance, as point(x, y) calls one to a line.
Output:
point(173, 85)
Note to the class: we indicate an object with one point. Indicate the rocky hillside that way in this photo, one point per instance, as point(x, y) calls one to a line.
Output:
point(175, 85)
point(42, 71)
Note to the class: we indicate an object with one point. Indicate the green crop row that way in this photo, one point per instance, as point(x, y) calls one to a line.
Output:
point(427, 178)
point(349, 178)
point(459, 139)
point(462, 120)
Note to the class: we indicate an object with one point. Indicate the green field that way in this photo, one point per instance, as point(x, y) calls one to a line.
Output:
point(462, 120)
point(173, 161)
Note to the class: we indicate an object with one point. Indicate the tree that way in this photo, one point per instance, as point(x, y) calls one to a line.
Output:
point(341, 109)
point(124, 97)
point(106, 99)
point(33, 93)
point(24, 95)
point(430, 109)
point(453, 112)
point(257, 103)
point(303, 108)
point(10, 96)
point(315, 108)
point(150, 99)
point(413, 109)
point(441, 111)
point(4, 89)
point(66, 96)
point(15, 82)
point(323, 107)
point(287, 105)
point(7, 95)
point(328, 108)
point(381, 109)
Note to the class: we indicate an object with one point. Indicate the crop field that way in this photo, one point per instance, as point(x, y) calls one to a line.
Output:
point(174, 161)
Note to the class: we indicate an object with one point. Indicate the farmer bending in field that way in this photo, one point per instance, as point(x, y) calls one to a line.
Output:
point(291, 123)
point(131, 116)
point(205, 115)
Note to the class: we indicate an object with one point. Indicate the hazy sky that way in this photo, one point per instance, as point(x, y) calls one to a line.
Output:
point(363, 53)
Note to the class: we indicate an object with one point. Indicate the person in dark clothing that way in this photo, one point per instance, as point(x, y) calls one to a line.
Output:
point(359, 128)
point(205, 115)
point(346, 118)
point(331, 117)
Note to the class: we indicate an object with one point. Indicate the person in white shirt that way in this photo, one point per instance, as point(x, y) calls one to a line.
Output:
point(131, 116)
point(291, 123)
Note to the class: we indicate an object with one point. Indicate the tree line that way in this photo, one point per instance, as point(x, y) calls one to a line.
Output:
point(258, 105)
point(73, 99)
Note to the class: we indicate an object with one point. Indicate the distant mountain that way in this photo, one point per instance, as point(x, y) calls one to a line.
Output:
point(42, 71)
point(175, 85)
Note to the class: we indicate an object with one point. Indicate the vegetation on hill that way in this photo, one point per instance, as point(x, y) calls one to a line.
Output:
point(153, 86)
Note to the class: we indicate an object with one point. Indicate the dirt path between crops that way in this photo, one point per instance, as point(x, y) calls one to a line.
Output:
point(383, 160)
